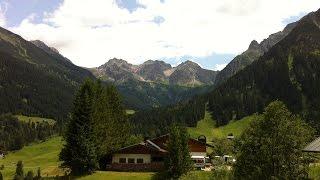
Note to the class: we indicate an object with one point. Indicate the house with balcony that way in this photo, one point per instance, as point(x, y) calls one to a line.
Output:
point(150, 154)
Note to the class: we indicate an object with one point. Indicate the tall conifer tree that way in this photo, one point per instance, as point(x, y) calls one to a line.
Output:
point(178, 161)
point(112, 128)
point(79, 152)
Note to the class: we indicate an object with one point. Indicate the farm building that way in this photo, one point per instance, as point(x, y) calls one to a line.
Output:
point(149, 155)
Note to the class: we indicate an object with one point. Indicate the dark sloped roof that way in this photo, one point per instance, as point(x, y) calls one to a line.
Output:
point(141, 148)
point(314, 146)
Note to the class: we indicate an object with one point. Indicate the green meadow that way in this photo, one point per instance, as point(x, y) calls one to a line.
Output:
point(207, 127)
point(28, 119)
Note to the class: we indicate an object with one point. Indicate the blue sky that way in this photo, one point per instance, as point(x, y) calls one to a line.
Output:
point(210, 32)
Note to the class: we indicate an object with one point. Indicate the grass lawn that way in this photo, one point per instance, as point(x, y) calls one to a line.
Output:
point(43, 155)
point(34, 119)
point(314, 171)
point(208, 128)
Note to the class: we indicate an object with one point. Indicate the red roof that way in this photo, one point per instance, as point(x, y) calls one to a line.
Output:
point(159, 145)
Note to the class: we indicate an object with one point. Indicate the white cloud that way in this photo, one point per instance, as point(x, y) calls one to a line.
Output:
point(91, 32)
point(3, 10)
point(219, 67)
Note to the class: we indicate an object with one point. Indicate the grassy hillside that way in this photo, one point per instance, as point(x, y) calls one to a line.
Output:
point(28, 119)
point(208, 128)
point(43, 155)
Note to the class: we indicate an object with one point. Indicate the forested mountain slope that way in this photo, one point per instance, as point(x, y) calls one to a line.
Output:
point(253, 53)
point(289, 71)
point(33, 81)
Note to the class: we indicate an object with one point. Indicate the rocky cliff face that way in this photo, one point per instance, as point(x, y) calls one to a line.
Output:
point(254, 51)
point(185, 74)
point(154, 70)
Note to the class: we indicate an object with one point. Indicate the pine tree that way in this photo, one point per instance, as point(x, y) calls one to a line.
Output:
point(178, 161)
point(1, 177)
point(111, 127)
point(185, 151)
point(79, 153)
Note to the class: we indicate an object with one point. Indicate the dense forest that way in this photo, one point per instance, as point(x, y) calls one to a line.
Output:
point(15, 134)
point(157, 121)
point(140, 95)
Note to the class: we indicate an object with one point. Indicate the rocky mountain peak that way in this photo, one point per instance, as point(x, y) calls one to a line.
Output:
point(156, 62)
point(118, 62)
point(189, 64)
point(254, 45)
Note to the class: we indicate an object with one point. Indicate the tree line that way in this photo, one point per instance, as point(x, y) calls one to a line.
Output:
point(15, 134)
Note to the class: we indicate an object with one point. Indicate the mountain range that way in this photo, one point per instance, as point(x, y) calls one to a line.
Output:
point(289, 71)
point(188, 73)
point(36, 79)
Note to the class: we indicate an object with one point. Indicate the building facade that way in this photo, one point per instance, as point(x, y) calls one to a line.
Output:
point(149, 155)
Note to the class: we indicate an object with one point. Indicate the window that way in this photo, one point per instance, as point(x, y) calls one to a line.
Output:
point(157, 159)
point(131, 160)
point(140, 160)
point(122, 160)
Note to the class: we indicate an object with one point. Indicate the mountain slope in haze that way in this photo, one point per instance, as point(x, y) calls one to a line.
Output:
point(289, 71)
point(33, 81)
point(50, 50)
point(140, 95)
point(253, 53)
point(186, 74)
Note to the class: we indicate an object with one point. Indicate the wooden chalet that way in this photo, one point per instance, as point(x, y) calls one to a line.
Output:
point(149, 155)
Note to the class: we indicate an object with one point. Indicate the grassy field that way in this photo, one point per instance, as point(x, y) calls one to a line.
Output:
point(314, 171)
point(208, 128)
point(34, 119)
point(43, 155)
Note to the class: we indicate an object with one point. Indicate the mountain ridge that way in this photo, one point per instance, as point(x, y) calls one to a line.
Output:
point(187, 73)
point(254, 51)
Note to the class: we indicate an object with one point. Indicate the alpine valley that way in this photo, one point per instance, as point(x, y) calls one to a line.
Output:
point(253, 119)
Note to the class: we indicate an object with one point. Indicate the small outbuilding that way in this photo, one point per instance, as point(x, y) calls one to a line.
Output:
point(313, 147)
